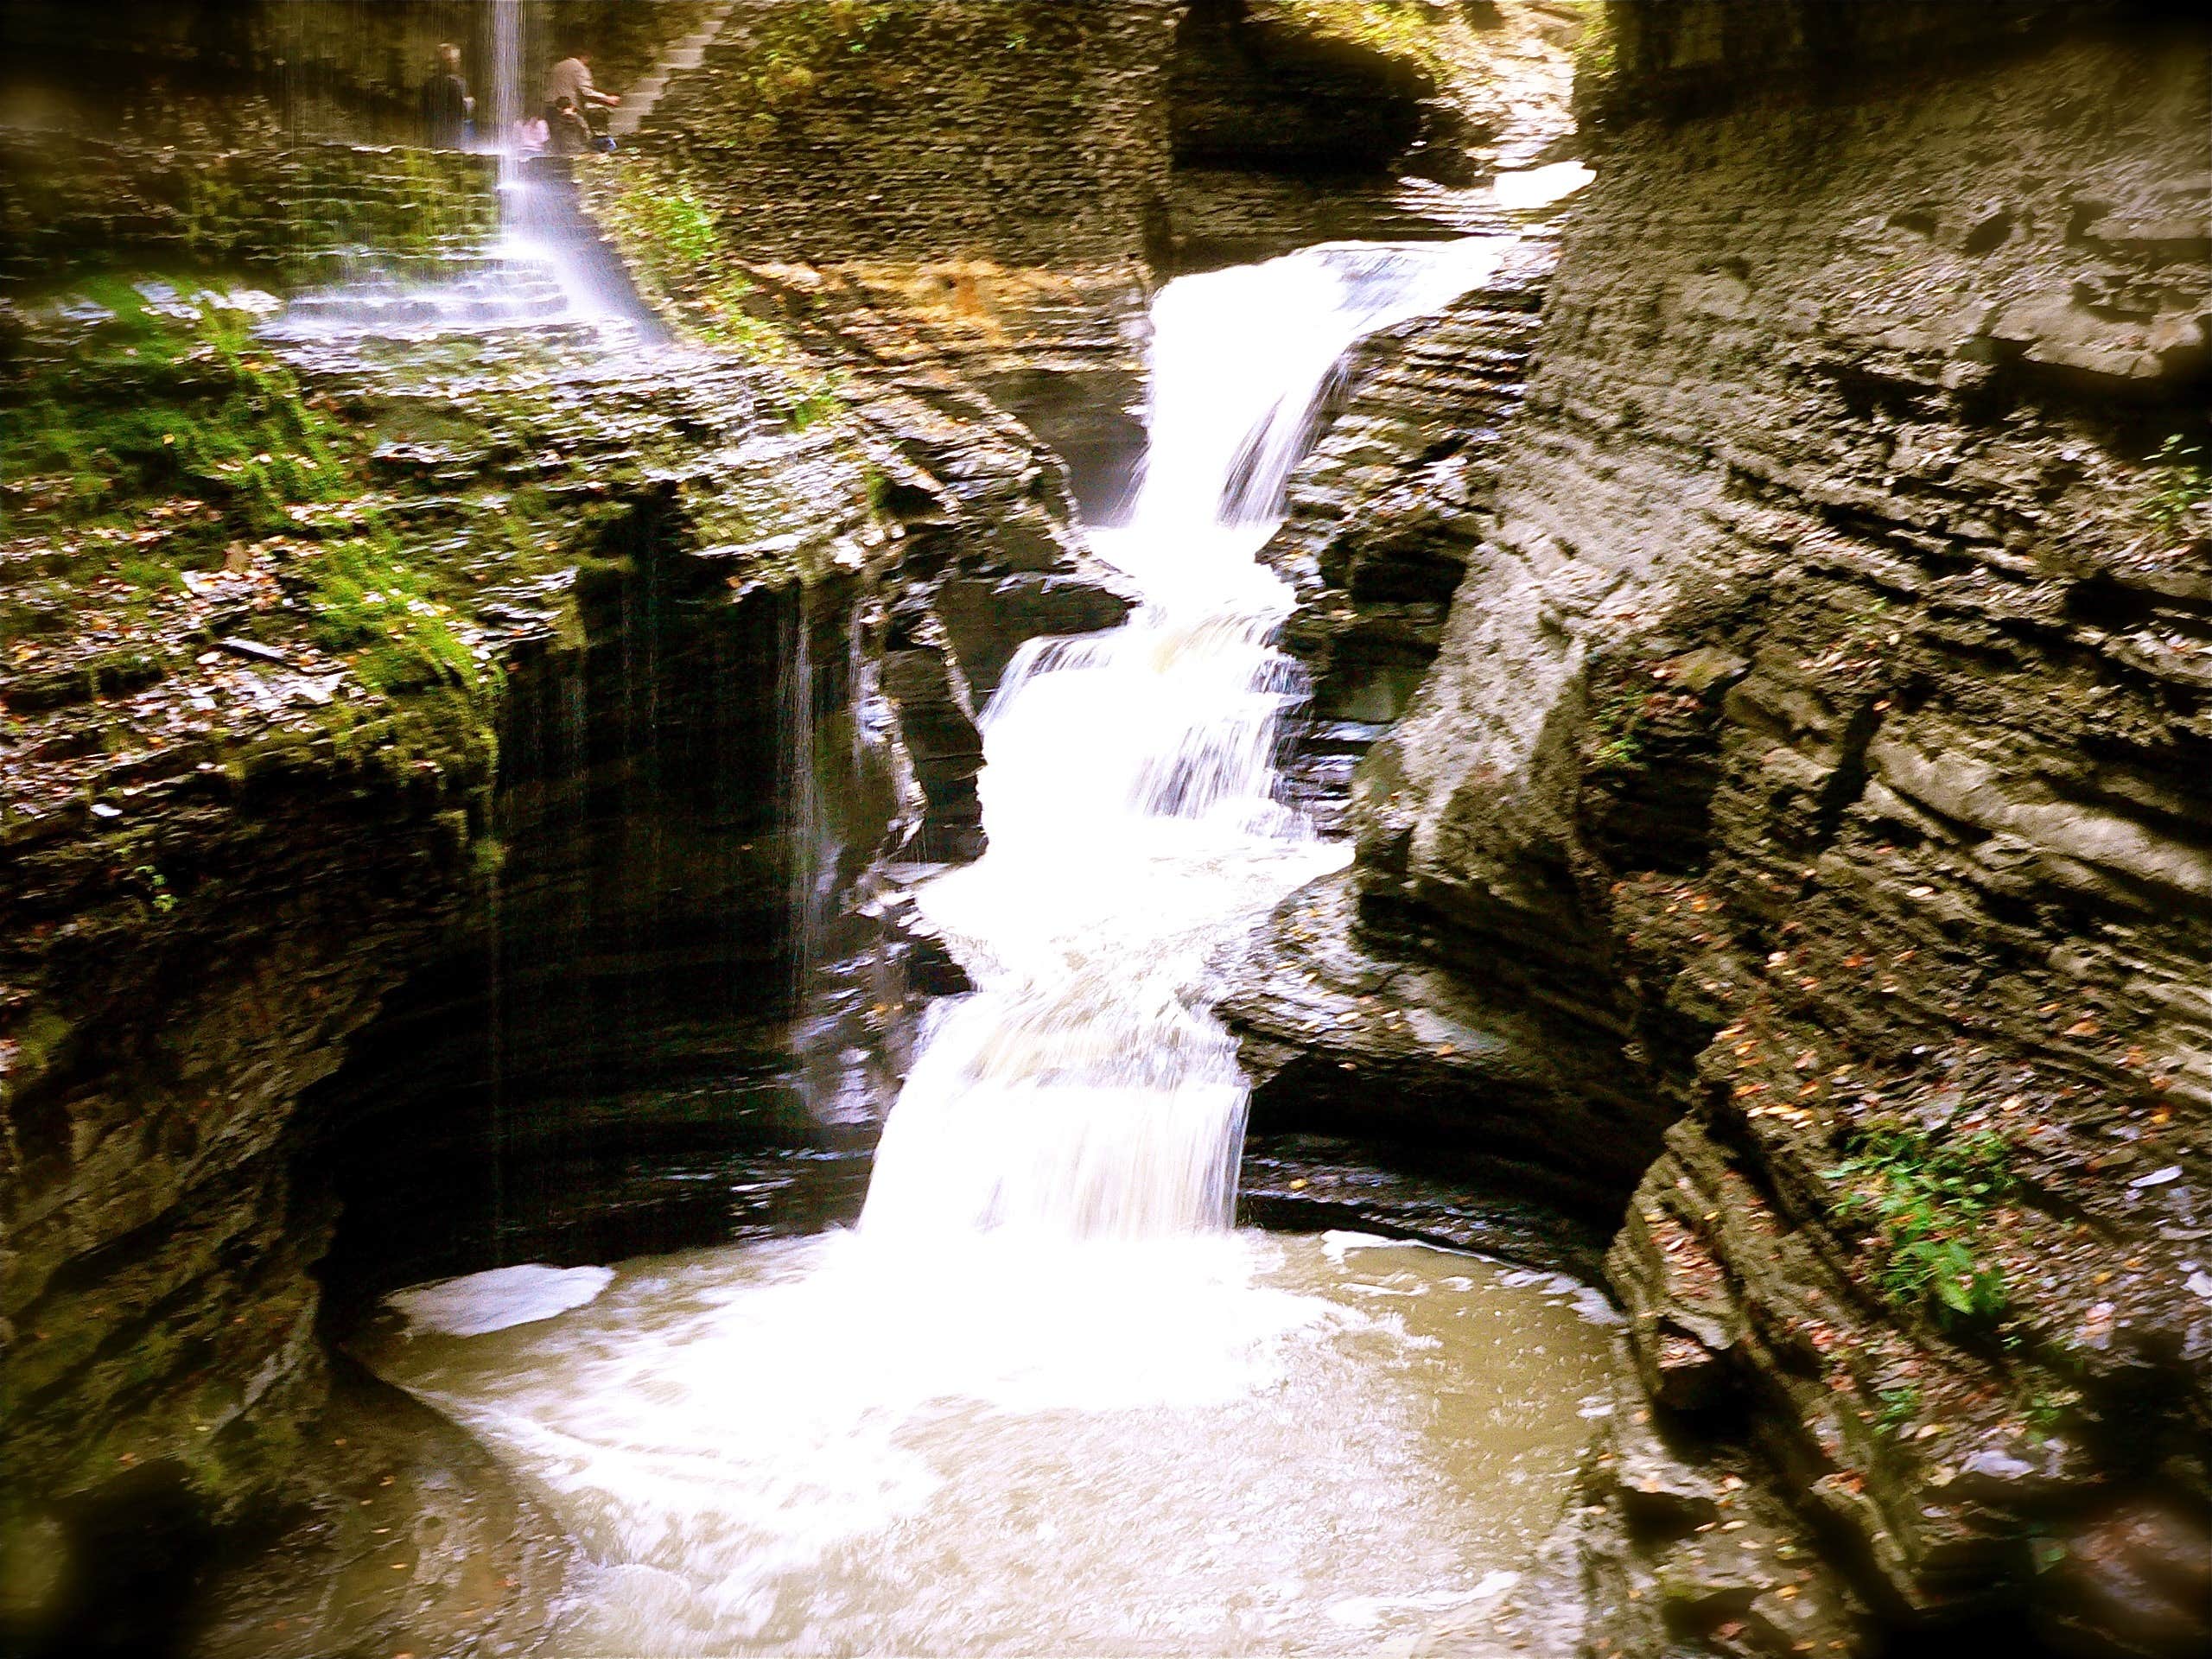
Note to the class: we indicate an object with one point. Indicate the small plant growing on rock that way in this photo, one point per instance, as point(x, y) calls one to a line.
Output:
point(1900, 1406)
point(818, 399)
point(677, 228)
point(2182, 487)
point(369, 601)
point(1403, 31)
point(156, 887)
point(2048, 1410)
point(1617, 730)
point(1926, 1200)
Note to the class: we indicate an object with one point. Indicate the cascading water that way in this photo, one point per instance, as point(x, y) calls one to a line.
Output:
point(547, 266)
point(503, 108)
point(1043, 1399)
point(1128, 795)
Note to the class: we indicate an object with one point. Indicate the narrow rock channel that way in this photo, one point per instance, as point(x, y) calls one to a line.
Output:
point(1153, 826)
point(1042, 1322)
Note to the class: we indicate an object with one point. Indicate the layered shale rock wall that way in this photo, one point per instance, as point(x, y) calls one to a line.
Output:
point(347, 71)
point(1379, 518)
point(1816, 760)
point(270, 759)
point(1025, 133)
point(439, 766)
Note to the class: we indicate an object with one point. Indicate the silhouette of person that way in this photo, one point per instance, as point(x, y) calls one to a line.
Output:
point(447, 106)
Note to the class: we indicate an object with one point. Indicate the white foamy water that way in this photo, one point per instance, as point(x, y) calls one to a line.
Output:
point(1226, 1443)
point(1043, 1400)
point(1128, 795)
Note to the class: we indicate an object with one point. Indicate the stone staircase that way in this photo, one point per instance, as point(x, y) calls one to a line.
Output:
point(637, 100)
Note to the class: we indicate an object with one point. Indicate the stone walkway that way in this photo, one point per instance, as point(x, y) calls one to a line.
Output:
point(638, 102)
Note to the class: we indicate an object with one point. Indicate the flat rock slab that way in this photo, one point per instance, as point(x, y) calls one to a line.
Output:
point(417, 1541)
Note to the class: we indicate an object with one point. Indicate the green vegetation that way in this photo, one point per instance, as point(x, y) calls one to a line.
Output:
point(1402, 30)
point(1622, 716)
point(2048, 1410)
point(1617, 731)
point(368, 599)
point(1900, 1405)
point(793, 44)
point(168, 436)
point(676, 249)
point(1594, 53)
point(820, 398)
point(673, 228)
point(157, 887)
point(162, 405)
point(2181, 486)
point(1926, 1200)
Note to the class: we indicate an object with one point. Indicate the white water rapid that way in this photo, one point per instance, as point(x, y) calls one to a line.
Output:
point(1127, 793)
point(1043, 1400)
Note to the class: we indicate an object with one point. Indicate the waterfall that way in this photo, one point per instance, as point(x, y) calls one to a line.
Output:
point(1042, 1401)
point(497, 113)
point(548, 266)
point(1084, 1089)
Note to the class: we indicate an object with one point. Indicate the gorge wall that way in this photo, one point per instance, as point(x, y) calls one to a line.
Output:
point(267, 762)
point(1817, 762)
point(1785, 815)
point(348, 70)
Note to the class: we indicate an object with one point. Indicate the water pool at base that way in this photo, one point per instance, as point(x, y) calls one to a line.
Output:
point(1230, 1443)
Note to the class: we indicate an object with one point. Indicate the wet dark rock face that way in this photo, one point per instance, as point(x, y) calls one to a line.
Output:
point(1380, 517)
point(1816, 760)
point(1292, 123)
point(1281, 137)
point(1025, 132)
point(225, 861)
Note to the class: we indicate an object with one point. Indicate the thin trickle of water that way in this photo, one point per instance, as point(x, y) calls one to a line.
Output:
point(545, 266)
point(504, 105)
point(495, 1047)
point(801, 810)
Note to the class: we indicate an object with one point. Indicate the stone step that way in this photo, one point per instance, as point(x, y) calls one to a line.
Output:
point(639, 99)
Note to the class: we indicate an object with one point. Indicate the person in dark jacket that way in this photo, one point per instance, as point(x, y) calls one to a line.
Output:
point(447, 106)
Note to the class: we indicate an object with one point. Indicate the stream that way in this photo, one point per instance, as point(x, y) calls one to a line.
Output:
point(1044, 1397)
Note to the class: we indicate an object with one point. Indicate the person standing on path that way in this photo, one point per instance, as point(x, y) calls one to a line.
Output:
point(447, 106)
point(570, 78)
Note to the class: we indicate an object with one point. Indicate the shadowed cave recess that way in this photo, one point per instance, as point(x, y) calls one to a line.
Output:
point(1172, 826)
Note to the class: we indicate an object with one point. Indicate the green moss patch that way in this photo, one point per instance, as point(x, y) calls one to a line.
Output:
point(169, 397)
